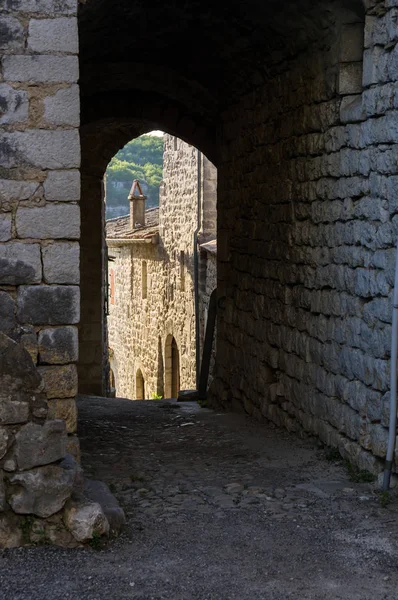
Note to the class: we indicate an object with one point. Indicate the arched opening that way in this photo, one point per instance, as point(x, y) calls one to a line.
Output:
point(172, 368)
point(139, 386)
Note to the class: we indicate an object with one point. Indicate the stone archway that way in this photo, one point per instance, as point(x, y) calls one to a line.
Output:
point(139, 386)
point(172, 368)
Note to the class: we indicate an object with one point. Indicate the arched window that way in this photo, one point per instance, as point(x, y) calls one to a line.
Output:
point(139, 386)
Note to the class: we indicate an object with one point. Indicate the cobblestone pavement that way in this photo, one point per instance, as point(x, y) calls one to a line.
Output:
point(219, 507)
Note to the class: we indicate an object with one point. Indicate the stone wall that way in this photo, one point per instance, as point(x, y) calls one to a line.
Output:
point(208, 283)
point(39, 193)
point(140, 329)
point(307, 236)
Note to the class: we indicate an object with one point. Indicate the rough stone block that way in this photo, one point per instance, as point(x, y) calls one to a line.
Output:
point(5, 227)
point(37, 445)
point(11, 189)
point(65, 409)
point(41, 68)
point(83, 518)
point(14, 104)
point(60, 381)
point(11, 34)
point(352, 40)
point(97, 491)
point(29, 342)
point(11, 535)
point(20, 263)
point(352, 109)
point(13, 411)
point(73, 447)
point(64, 107)
point(58, 149)
point(2, 495)
point(59, 35)
point(58, 345)
point(47, 7)
point(350, 78)
point(7, 312)
point(61, 262)
point(48, 305)
point(49, 222)
point(62, 186)
point(42, 491)
point(4, 437)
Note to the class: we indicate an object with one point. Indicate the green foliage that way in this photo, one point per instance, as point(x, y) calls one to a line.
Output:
point(385, 499)
point(141, 159)
point(26, 527)
point(359, 475)
point(95, 541)
point(156, 396)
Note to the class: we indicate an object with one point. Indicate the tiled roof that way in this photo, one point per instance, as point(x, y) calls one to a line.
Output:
point(119, 228)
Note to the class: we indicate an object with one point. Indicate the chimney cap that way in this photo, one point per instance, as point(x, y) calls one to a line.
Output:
point(133, 192)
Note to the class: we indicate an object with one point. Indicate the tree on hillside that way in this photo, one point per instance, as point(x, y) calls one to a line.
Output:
point(141, 159)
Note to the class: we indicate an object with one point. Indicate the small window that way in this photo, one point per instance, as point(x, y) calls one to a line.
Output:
point(112, 286)
point(182, 271)
point(144, 280)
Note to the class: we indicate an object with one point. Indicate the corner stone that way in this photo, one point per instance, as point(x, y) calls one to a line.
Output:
point(37, 445)
point(48, 305)
point(59, 345)
point(61, 262)
point(60, 381)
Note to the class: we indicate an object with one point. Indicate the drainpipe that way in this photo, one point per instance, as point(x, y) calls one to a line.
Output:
point(393, 385)
point(196, 269)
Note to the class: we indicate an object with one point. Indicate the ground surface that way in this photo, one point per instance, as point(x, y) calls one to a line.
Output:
point(294, 525)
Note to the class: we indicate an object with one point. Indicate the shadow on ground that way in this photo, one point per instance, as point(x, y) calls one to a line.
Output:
point(219, 507)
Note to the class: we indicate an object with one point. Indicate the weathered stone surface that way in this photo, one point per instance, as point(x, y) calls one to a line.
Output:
point(97, 491)
point(56, 149)
point(7, 312)
point(62, 186)
point(20, 263)
point(64, 107)
point(46, 7)
point(53, 531)
point(73, 446)
point(37, 445)
point(83, 518)
point(4, 437)
point(41, 68)
point(29, 342)
point(42, 491)
point(13, 104)
point(59, 35)
point(5, 227)
point(2, 493)
point(10, 531)
point(48, 305)
point(11, 33)
point(11, 189)
point(71, 464)
point(60, 381)
point(61, 262)
point(58, 345)
point(13, 411)
point(50, 221)
point(65, 409)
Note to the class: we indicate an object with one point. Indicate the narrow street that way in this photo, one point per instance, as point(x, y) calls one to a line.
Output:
point(219, 507)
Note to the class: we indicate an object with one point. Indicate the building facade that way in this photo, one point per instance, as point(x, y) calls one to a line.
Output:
point(157, 278)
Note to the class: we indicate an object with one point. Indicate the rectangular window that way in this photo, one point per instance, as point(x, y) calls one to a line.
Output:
point(182, 271)
point(144, 280)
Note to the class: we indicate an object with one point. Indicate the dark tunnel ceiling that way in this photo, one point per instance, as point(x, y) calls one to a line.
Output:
point(219, 45)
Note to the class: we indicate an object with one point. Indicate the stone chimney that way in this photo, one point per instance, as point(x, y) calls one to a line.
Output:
point(137, 205)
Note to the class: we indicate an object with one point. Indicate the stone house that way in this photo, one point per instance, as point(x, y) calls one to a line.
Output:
point(161, 274)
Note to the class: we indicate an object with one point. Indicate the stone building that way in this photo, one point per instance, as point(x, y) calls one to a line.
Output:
point(295, 103)
point(158, 283)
